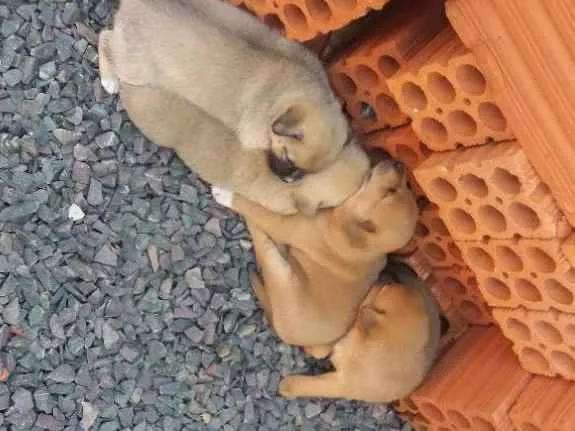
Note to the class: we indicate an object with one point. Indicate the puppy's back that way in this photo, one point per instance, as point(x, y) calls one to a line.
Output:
point(204, 144)
point(249, 28)
point(408, 278)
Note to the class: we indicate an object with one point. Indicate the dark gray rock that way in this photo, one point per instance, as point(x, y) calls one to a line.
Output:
point(95, 196)
point(7, 105)
point(47, 70)
point(107, 139)
point(22, 400)
point(63, 374)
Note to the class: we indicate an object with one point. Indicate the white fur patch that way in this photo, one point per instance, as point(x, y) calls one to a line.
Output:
point(110, 85)
point(223, 196)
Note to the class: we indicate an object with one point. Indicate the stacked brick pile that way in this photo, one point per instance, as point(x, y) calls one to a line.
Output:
point(303, 20)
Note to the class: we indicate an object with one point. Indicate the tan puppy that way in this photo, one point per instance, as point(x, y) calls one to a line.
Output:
point(386, 354)
point(274, 94)
point(215, 154)
point(311, 294)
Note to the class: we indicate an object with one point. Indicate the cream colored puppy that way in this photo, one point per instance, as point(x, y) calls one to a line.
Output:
point(272, 93)
point(215, 154)
point(388, 351)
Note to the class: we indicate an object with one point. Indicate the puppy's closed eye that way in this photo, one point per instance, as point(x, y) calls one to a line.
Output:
point(284, 168)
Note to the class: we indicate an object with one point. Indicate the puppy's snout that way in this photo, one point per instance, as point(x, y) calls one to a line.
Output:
point(284, 169)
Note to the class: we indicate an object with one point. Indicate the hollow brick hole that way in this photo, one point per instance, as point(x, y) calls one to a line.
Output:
point(534, 360)
point(470, 79)
point(295, 17)
point(318, 10)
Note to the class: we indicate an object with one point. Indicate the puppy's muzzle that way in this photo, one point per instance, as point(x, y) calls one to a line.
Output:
point(284, 169)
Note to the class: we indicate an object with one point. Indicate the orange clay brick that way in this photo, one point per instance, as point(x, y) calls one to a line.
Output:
point(474, 385)
point(302, 20)
point(419, 264)
point(460, 284)
point(406, 408)
point(527, 49)
point(532, 273)
point(457, 327)
point(408, 412)
point(447, 96)
point(360, 74)
point(492, 191)
point(435, 242)
point(403, 145)
point(545, 405)
point(544, 341)
point(568, 249)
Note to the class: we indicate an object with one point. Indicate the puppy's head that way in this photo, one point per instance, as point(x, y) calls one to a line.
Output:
point(395, 309)
point(306, 138)
point(381, 216)
point(333, 185)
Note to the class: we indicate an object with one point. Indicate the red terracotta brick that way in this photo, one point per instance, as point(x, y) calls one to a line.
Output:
point(460, 284)
point(544, 341)
point(491, 190)
point(530, 273)
point(401, 143)
point(526, 50)
point(302, 20)
point(545, 404)
point(435, 242)
point(360, 74)
point(447, 96)
point(474, 384)
point(568, 249)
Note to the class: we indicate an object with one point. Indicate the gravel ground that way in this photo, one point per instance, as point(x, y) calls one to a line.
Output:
point(124, 294)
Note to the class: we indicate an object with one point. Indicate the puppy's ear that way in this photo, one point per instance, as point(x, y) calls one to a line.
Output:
point(369, 318)
point(289, 123)
point(357, 232)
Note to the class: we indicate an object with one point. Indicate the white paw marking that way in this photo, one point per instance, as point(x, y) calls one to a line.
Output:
point(222, 196)
point(110, 85)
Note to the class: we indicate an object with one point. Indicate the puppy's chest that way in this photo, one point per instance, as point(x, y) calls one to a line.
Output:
point(321, 265)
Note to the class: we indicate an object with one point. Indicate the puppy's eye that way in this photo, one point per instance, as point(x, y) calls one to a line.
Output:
point(284, 168)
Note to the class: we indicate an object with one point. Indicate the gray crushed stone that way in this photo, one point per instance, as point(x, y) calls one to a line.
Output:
point(139, 314)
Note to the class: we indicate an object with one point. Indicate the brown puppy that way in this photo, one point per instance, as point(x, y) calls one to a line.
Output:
point(311, 293)
point(272, 93)
point(215, 154)
point(386, 354)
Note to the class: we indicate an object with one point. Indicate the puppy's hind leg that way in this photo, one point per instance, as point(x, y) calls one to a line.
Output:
point(108, 78)
point(326, 385)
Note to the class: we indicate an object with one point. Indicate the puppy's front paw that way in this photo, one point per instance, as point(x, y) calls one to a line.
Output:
point(223, 196)
point(285, 388)
point(110, 85)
